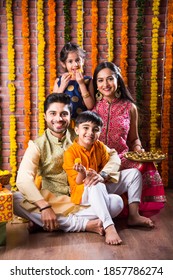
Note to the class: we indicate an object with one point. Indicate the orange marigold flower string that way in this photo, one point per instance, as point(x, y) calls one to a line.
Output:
point(124, 40)
point(26, 71)
point(94, 36)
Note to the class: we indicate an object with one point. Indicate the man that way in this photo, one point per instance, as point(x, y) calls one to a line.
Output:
point(50, 208)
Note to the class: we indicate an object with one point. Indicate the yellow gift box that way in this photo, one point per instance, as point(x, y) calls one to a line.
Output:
point(6, 205)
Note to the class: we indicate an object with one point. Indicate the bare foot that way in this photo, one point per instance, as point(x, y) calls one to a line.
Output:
point(95, 226)
point(112, 236)
point(33, 228)
point(140, 221)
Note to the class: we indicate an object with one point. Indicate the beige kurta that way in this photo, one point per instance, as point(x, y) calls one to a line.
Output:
point(44, 157)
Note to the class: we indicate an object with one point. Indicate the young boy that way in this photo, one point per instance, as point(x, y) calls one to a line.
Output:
point(93, 156)
point(84, 161)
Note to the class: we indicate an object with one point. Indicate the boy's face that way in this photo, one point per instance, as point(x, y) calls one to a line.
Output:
point(57, 118)
point(88, 133)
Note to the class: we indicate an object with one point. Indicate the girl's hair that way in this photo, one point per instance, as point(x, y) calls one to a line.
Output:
point(125, 93)
point(89, 116)
point(70, 47)
point(59, 98)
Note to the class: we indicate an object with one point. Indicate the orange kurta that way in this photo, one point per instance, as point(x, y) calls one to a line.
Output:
point(96, 159)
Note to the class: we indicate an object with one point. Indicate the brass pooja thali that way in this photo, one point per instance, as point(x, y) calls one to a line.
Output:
point(146, 156)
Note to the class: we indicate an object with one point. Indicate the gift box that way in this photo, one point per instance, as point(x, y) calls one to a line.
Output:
point(6, 205)
point(2, 234)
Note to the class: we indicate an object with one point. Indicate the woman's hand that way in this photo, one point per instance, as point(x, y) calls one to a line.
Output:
point(138, 148)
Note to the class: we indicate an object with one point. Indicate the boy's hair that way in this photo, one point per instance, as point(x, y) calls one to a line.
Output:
point(59, 98)
point(70, 47)
point(89, 116)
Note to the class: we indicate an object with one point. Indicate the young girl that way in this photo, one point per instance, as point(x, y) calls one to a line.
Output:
point(120, 131)
point(73, 82)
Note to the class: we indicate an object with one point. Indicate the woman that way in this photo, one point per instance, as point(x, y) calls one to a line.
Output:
point(117, 108)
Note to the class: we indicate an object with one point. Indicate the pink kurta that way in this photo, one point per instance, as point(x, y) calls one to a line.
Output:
point(116, 119)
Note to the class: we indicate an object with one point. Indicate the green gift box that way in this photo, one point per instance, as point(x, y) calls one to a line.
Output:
point(2, 234)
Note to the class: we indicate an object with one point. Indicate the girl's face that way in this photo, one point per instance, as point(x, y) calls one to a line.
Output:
point(74, 62)
point(107, 83)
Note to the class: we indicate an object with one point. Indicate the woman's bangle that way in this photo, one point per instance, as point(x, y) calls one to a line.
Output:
point(86, 95)
point(137, 145)
point(46, 207)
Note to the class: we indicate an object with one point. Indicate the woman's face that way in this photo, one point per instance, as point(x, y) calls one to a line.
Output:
point(107, 83)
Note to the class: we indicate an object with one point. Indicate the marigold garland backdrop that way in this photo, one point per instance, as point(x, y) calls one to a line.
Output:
point(136, 35)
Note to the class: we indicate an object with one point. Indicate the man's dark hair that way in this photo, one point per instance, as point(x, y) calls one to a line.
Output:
point(59, 98)
point(89, 116)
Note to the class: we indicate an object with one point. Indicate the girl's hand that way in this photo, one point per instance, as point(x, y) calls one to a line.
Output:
point(66, 77)
point(79, 77)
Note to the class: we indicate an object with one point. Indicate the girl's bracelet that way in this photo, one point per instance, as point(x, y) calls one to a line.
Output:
point(86, 95)
point(46, 207)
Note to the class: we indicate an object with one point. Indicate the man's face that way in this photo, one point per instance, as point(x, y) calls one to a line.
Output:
point(57, 118)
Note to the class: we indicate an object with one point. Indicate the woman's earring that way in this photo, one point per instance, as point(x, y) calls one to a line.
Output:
point(99, 96)
point(118, 93)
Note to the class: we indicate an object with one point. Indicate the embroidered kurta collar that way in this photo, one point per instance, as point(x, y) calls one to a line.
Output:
point(83, 149)
point(55, 140)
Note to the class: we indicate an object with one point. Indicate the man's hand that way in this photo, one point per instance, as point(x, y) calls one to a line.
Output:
point(48, 216)
point(93, 178)
point(49, 219)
